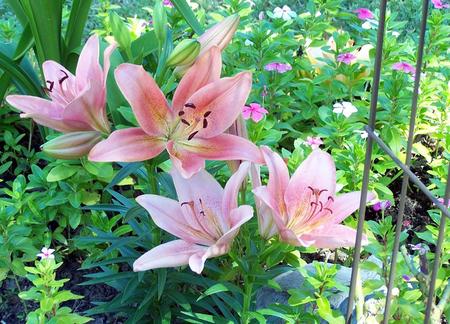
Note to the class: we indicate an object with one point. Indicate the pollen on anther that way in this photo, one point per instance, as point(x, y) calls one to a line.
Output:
point(205, 123)
point(181, 113)
point(191, 136)
point(206, 114)
point(63, 78)
point(184, 121)
point(190, 105)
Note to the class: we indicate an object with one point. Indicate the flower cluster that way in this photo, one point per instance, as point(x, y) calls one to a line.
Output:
point(303, 210)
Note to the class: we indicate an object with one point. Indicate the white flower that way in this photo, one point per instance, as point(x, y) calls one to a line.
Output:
point(248, 42)
point(364, 134)
point(46, 253)
point(395, 33)
point(318, 14)
point(284, 13)
point(346, 108)
point(395, 292)
point(366, 25)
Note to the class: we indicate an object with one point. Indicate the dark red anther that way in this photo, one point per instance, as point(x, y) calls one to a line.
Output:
point(326, 208)
point(331, 198)
point(51, 83)
point(65, 77)
point(181, 113)
point(206, 114)
point(312, 189)
point(184, 203)
point(323, 190)
point(202, 213)
point(184, 121)
point(191, 136)
point(205, 123)
point(190, 105)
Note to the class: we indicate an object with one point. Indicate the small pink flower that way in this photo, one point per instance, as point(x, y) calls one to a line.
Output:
point(364, 13)
point(381, 205)
point(314, 142)
point(441, 200)
point(438, 4)
point(279, 67)
point(168, 3)
point(261, 15)
point(46, 253)
point(254, 111)
point(405, 67)
point(346, 58)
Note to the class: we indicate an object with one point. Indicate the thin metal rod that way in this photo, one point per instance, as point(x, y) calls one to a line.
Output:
point(368, 159)
point(405, 182)
point(437, 254)
point(411, 175)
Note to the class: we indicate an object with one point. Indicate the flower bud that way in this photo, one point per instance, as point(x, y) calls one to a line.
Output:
point(160, 22)
point(218, 35)
point(72, 145)
point(184, 53)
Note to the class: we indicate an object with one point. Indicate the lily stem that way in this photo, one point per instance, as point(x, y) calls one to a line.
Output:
point(151, 176)
point(248, 287)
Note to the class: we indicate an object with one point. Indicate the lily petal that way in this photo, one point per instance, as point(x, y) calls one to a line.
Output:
point(266, 224)
point(221, 101)
point(224, 147)
point(186, 162)
point(171, 254)
point(72, 145)
point(344, 205)
point(127, 145)
point(206, 70)
point(278, 178)
point(168, 215)
point(203, 190)
point(263, 194)
point(45, 113)
point(223, 245)
point(88, 67)
point(231, 192)
point(316, 171)
point(146, 99)
point(60, 81)
point(82, 110)
point(333, 236)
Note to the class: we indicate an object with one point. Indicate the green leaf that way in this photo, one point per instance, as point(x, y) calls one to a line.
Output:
point(44, 18)
point(26, 41)
point(65, 295)
point(183, 7)
point(61, 172)
point(121, 33)
point(17, 74)
point(77, 21)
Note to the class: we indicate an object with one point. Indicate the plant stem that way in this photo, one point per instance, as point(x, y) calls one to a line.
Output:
point(248, 286)
point(25, 309)
point(151, 176)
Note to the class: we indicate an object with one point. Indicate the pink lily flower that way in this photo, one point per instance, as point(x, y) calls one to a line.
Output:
point(305, 207)
point(254, 111)
point(364, 13)
point(346, 58)
point(203, 107)
point(77, 103)
point(206, 218)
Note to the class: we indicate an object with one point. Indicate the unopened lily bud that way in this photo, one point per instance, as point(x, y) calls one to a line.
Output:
point(160, 22)
point(218, 35)
point(72, 145)
point(184, 53)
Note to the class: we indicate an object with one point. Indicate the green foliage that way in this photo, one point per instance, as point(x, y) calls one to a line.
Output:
point(46, 291)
